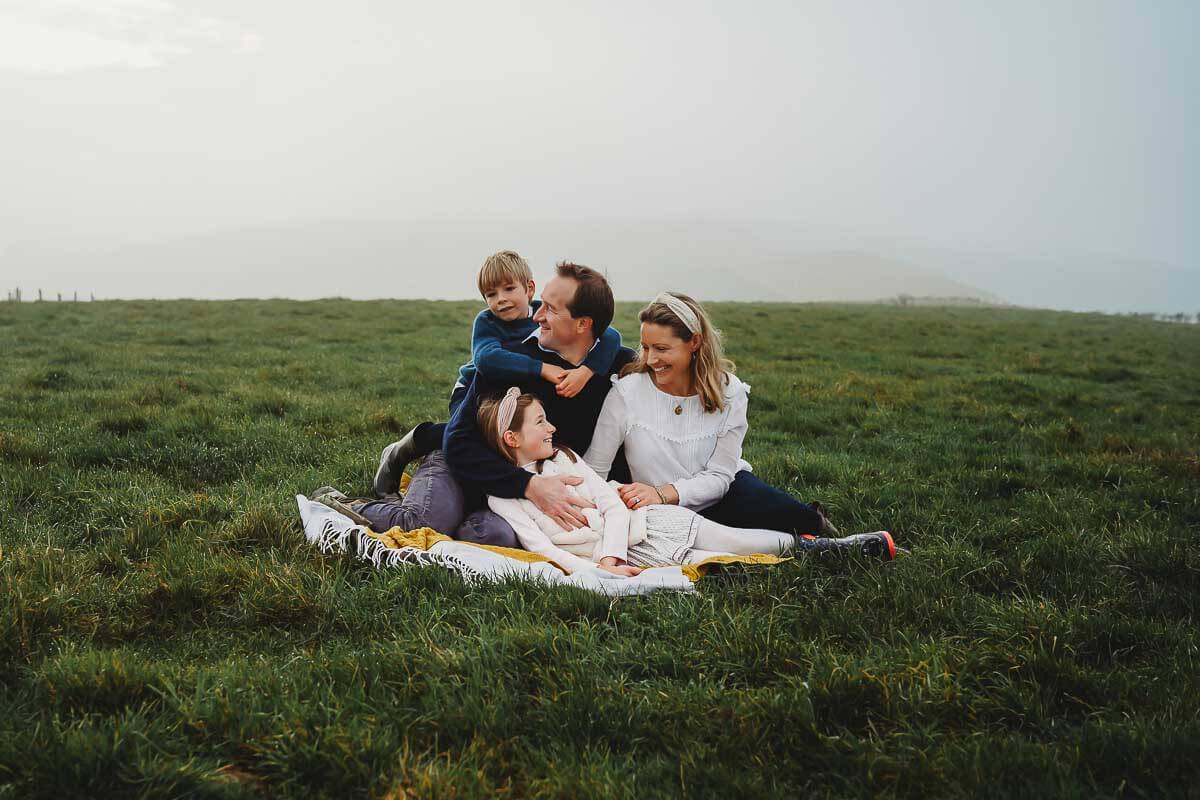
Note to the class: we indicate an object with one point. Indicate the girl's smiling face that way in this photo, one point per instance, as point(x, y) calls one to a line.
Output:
point(534, 440)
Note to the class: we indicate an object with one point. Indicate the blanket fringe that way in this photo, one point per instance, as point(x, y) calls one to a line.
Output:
point(338, 535)
point(332, 533)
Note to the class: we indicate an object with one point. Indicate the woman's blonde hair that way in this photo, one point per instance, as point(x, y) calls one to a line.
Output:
point(709, 367)
point(489, 413)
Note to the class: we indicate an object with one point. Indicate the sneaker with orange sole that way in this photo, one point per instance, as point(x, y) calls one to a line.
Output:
point(877, 544)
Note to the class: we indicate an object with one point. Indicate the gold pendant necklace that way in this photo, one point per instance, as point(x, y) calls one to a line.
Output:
point(678, 409)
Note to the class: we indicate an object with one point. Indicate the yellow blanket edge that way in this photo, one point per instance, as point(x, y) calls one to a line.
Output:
point(425, 538)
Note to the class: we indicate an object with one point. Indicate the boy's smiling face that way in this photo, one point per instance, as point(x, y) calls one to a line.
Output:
point(510, 300)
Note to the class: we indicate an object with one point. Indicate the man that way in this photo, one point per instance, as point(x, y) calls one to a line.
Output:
point(577, 307)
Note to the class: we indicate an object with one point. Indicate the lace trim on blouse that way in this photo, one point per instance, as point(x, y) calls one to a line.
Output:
point(645, 389)
point(696, 437)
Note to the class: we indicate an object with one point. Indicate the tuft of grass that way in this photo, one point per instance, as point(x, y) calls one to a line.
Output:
point(52, 380)
point(122, 424)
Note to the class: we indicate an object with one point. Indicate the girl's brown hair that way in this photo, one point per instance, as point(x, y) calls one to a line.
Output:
point(489, 413)
point(709, 367)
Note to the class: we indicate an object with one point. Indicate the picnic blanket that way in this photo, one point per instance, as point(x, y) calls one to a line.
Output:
point(332, 532)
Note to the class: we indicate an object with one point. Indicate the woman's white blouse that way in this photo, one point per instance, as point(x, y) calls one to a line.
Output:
point(696, 451)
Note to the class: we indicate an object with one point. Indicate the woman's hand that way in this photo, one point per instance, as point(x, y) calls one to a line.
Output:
point(613, 564)
point(638, 495)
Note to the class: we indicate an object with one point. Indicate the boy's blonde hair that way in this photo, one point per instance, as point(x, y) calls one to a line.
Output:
point(503, 267)
point(710, 368)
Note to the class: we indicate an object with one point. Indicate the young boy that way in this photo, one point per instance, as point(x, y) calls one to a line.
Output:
point(507, 286)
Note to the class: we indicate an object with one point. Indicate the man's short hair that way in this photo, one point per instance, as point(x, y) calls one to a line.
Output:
point(502, 268)
point(593, 296)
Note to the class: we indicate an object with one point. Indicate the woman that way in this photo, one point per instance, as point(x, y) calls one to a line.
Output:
point(681, 414)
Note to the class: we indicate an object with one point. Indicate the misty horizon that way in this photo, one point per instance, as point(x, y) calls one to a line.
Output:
point(1039, 155)
point(437, 259)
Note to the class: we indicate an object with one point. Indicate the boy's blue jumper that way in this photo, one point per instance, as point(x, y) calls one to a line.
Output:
point(489, 356)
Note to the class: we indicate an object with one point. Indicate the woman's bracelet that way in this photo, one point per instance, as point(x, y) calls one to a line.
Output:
point(662, 498)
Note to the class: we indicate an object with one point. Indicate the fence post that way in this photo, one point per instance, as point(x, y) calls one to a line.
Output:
point(39, 295)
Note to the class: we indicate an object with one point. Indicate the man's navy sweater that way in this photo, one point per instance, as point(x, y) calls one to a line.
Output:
point(479, 469)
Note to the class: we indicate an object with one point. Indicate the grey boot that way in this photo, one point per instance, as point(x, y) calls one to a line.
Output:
point(392, 461)
point(828, 529)
point(328, 496)
point(328, 491)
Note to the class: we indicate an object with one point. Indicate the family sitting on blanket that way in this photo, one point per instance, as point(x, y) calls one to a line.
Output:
point(666, 425)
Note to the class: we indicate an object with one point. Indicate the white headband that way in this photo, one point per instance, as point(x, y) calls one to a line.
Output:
point(680, 309)
point(508, 407)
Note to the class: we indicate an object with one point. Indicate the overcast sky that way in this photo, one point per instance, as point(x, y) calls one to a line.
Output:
point(1035, 128)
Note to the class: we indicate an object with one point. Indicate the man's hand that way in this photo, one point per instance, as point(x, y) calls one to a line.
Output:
point(638, 495)
point(549, 493)
point(553, 374)
point(573, 381)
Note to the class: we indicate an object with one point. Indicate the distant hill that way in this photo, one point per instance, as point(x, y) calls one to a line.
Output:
point(366, 259)
point(1080, 283)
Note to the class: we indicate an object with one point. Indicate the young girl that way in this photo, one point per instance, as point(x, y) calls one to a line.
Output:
point(616, 539)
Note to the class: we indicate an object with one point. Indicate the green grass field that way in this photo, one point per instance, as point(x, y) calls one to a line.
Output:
point(166, 631)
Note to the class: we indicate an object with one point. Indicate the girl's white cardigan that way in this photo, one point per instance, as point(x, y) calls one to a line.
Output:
point(609, 531)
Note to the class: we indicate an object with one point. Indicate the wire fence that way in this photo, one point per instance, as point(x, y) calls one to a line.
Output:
point(15, 295)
